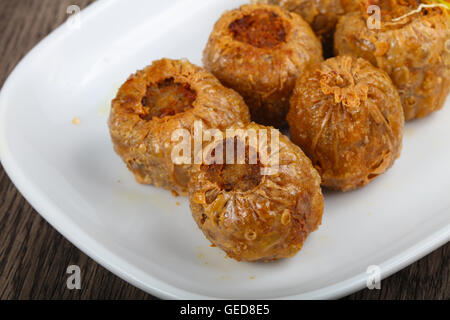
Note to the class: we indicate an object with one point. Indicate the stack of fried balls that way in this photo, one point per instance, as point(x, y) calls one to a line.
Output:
point(264, 68)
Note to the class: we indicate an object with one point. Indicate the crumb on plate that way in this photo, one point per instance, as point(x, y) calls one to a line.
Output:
point(76, 121)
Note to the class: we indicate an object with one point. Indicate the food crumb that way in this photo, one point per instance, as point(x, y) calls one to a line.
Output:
point(174, 193)
point(76, 121)
point(252, 278)
point(178, 203)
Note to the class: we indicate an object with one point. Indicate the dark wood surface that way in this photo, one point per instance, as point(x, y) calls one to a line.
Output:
point(34, 257)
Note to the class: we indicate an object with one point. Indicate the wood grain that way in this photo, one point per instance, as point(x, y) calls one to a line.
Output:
point(34, 257)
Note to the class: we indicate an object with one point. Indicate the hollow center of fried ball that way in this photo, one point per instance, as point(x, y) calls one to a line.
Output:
point(234, 176)
point(167, 98)
point(261, 29)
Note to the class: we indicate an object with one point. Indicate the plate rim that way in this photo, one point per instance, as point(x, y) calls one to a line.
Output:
point(113, 262)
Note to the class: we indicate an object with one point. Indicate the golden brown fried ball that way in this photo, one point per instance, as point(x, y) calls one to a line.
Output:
point(153, 103)
point(253, 214)
point(351, 5)
point(322, 15)
point(260, 50)
point(347, 117)
point(414, 50)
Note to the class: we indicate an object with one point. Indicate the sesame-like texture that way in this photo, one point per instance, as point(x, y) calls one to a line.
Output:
point(414, 51)
point(267, 218)
point(143, 137)
point(264, 76)
point(347, 117)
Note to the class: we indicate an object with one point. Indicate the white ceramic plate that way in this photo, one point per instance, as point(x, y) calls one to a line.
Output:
point(71, 175)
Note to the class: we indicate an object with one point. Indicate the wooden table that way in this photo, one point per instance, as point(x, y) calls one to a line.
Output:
point(34, 257)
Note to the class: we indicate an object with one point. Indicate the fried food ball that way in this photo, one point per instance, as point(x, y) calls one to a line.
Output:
point(259, 51)
point(251, 209)
point(156, 101)
point(347, 117)
point(350, 5)
point(411, 45)
point(322, 15)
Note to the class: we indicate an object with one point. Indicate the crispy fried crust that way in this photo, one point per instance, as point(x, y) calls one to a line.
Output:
point(414, 51)
point(322, 15)
point(263, 217)
point(264, 76)
point(350, 5)
point(347, 117)
point(142, 135)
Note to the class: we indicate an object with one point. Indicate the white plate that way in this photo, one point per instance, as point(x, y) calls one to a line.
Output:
point(71, 175)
